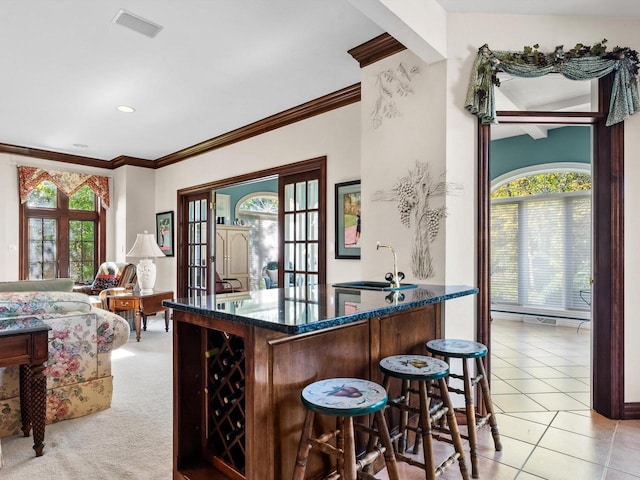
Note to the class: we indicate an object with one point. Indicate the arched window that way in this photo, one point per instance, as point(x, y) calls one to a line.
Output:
point(258, 204)
point(541, 240)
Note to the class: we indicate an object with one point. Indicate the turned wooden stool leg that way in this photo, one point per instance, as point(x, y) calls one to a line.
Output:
point(349, 457)
point(425, 432)
point(486, 395)
point(453, 428)
point(404, 418)
point(471, 418)
point(303, 447)
point(385, 439)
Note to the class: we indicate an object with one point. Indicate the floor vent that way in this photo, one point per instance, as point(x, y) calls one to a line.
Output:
point(540, 320)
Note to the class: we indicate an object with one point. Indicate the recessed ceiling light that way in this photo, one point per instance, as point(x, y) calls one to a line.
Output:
point(125, 109)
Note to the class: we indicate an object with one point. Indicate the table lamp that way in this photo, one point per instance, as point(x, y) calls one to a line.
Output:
point(145, 247)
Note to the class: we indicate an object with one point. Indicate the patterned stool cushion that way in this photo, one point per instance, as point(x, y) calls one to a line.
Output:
point(414, 367)
point(451, 347)
point(344, 397)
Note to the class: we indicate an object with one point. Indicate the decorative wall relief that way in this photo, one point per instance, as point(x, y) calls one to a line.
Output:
point(414, 195)
point(386, 82)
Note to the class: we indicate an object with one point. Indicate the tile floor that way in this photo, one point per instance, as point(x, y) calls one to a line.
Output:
point(540, 389)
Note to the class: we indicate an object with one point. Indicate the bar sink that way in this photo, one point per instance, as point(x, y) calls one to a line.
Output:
point(371, 285)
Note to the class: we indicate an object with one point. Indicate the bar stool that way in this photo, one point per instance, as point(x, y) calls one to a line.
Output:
point(429, 373)
point(465, 350)
point(345, 398)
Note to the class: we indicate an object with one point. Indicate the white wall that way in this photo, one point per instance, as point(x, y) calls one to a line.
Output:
point(335, 134)
point(390, 151)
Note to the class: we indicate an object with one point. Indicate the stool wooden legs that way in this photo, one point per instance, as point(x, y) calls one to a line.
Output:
point(348, 467)
point(424, 432)
point(470, 411)
point(486, 395)
point(472, 418)
point(453, 428)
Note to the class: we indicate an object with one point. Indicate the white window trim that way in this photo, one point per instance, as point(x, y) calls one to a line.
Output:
point(238, 212)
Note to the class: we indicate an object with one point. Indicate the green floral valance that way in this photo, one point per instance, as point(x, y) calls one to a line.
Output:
point(579, 63)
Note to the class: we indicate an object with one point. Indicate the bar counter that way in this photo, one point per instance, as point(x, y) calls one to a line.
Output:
point(240, 364)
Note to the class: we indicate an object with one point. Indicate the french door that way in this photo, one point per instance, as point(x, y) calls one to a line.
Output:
point(301, 227)
point(301, 248)
point(196, 252)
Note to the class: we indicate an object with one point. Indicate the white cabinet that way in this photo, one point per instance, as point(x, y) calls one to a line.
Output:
point(232, 253)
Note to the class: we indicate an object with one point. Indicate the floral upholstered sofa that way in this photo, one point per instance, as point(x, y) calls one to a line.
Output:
point(81, 339)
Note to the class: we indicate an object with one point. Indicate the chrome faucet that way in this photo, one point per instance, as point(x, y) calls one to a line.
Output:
point(395, 280)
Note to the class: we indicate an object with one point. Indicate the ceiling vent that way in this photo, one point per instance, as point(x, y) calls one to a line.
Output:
point(137, 23)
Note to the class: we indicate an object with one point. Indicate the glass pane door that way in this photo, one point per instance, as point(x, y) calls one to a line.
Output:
point(302, 244)
point(196, 237)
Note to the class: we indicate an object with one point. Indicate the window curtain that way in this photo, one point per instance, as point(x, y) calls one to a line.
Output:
point(624, 95)
point(541, 251)
point(69, 183)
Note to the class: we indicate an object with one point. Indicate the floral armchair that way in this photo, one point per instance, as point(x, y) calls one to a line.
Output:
point(81, 339)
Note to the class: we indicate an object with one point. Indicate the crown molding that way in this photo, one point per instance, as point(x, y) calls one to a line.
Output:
point(55, 156)
point(329, 102)
point(326, 103)
point(376, 49)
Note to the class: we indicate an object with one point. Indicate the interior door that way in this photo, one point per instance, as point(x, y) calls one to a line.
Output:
point(302, 229)
point(196, 254)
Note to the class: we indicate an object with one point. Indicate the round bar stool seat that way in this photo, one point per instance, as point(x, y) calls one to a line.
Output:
point(346, 398)
point(466, 350)
point(455, 348)
point(427, 372)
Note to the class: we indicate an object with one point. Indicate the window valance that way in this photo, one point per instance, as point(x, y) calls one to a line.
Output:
point(69, 183)
point(580, 63)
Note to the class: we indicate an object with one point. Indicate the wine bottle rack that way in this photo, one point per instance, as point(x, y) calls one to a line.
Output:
point(226, 398)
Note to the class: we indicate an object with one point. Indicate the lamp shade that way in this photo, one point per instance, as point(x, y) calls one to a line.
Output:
point(144, 247)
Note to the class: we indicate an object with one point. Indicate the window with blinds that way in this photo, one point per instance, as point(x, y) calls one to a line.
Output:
point(541, 251)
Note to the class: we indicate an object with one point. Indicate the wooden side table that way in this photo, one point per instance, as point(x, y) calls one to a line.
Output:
point(144, 304)
point(25, 342)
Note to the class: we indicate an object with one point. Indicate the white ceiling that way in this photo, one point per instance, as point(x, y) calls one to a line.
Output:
point(216, 65)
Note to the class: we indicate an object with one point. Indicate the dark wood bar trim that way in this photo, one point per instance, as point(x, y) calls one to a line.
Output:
point(376, 49)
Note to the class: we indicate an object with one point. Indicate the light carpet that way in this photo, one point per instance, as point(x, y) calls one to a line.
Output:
point(130, 440)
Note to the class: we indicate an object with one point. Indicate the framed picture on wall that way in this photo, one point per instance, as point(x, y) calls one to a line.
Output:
point(348, 219)
point(164, 232)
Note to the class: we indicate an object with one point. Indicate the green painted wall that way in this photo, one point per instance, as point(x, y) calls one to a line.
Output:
point(237, 192)
point(565, 144)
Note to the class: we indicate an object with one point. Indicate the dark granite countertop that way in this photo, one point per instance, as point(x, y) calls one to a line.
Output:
point(300, 310)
